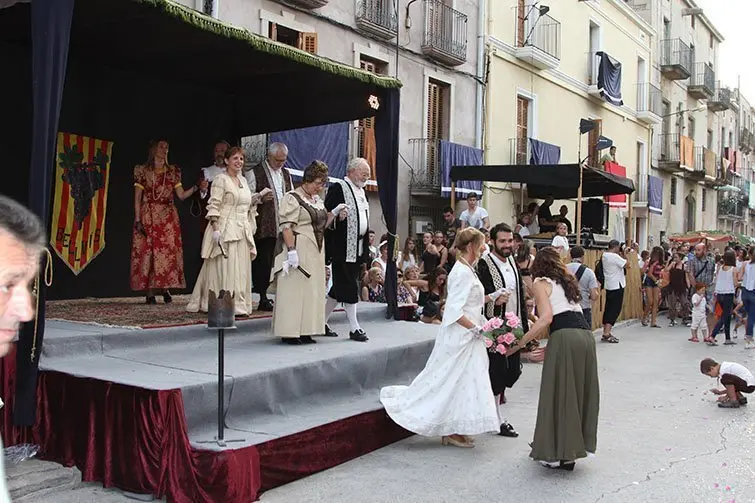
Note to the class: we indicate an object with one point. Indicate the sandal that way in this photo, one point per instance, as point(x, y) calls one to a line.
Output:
point(710, 341)
point(693, 339)
point(610, 338)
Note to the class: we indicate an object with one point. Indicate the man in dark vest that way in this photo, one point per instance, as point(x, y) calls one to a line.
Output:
point(347, 244)
point(272, 175)
point(498, 271)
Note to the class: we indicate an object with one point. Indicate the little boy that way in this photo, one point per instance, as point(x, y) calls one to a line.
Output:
point(699, 317)
point(735, 378)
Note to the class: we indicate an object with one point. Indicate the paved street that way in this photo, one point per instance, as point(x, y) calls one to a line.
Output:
point(661, 439)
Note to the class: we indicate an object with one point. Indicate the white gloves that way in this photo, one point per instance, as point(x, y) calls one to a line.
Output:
point(216, 237)
point(494, 296)
point(338, 209)
point(293, 259)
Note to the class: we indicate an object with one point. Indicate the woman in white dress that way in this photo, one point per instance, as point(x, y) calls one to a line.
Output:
point(452, 396)
point(228, 245)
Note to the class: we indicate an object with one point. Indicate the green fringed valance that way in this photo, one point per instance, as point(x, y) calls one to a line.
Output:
point(263, 44)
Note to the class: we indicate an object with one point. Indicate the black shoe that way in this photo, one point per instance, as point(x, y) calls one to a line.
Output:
point(567, 465)
point(508, 431)
point(358, 335)
point(265, 305)
point(306, 339)
point(292, 341)
point(329, 332)
point(151, 300)
point(743, 400)
point(167, 298)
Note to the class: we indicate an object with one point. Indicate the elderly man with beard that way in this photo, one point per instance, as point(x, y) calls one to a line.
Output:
point(22, 241)
point(500, 276)
point(208, 174)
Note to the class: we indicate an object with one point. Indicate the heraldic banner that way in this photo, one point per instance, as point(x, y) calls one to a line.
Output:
point(82, 175)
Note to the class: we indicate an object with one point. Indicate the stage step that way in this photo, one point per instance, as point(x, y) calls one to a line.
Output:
point(33, 479)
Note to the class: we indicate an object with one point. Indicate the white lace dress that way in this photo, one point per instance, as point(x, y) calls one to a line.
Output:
point(452, 394)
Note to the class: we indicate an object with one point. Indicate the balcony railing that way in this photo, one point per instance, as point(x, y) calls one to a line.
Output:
point(676, 59)
point(445, 35)
point(425, 167)
point(721, 99)
point(378, 18)
point(732, 207)
point(702, 83)
point(706, 162)
point(519, 151)
point(541, 32)
point(643, 8)
point(670, 148)
point(744, 141)
point(649, 99)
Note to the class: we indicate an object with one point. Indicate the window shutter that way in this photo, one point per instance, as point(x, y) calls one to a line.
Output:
point(308, 42)
point(273, 32)
point(522, 129)
point(366, 139)
point(521, 12)
point(592, 140)
point(434, 118)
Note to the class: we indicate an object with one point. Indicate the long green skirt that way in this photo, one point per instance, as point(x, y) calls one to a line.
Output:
point(567, 413)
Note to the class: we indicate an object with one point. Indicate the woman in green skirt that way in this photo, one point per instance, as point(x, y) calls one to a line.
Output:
point(567, 413)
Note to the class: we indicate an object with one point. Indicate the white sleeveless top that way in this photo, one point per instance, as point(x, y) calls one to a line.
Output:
point(725, 280)
point(559, 302)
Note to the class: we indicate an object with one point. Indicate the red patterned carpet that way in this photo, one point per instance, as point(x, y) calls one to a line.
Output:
point(129, 312)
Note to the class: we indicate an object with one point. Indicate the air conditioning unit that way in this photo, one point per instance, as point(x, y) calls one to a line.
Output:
point(422, 225)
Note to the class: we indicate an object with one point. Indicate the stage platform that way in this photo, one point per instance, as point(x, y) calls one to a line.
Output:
point(298, 409)
point(271, 389)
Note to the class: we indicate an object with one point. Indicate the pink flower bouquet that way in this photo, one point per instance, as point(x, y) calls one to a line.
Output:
point(499, 334)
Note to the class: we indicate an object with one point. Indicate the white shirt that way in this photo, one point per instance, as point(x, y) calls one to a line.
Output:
point(725, 281)
point(474, 219)
point(698, 310)
point(278, 184)
point(524, 231)
point(363, 207)
point(506, 266)
point(533, 228)
point(209, 173)
point(738, 370)
point(561, 241)
point(748, 281)
point(613, 270)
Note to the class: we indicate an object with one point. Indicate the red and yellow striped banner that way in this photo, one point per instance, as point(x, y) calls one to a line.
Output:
point(82, 177)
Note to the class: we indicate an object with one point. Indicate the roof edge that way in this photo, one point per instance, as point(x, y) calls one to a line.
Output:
point(260, 43)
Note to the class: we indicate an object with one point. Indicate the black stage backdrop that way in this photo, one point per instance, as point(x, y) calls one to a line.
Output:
point(104, 105)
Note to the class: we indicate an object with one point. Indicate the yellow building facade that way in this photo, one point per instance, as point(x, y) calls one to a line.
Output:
point(543, 80)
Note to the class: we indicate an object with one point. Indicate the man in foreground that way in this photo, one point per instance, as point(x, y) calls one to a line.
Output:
point(22, 241)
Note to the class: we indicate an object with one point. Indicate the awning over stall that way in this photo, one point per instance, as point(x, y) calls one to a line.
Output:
point(558, 180)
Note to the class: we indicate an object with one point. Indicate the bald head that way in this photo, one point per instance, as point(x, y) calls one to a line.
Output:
point(700, 250)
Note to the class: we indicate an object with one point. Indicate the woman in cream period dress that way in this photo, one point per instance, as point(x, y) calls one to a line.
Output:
point(299, 310)
point(231, 210)
point(452, 396)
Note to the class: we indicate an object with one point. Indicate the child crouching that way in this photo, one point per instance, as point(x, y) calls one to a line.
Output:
point(735, 378)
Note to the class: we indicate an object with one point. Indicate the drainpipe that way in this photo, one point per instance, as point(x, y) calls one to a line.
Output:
point(479, 119)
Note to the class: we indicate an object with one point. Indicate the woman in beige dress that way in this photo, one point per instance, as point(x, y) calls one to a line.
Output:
point(228, 245)
point(299, 270)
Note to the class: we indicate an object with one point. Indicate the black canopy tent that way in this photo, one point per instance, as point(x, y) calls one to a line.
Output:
point(562, 181)
point(134, 70)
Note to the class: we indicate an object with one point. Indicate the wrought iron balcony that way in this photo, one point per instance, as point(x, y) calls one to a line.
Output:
point(425, 168)
point(519, 151)
point(309, 4)
point(377, 18)
point(675, 153)
point(702, 84)
point(706, 164)
point(744, 141)
point(676, 59)
point(721, 99)
point(643, 8)
point(445, 35)
point(649, 103)
point(732, 208)
point(538, 38)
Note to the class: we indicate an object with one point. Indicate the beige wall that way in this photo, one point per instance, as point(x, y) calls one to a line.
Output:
point(559, 98)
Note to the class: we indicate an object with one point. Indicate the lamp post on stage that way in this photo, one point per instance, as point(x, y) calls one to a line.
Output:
point(221, 316)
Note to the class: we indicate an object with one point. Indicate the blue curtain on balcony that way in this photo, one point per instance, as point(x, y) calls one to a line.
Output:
point(328, 143)
point(655, 194)
point(609, 79)
point(544, 153)
point(453, 154)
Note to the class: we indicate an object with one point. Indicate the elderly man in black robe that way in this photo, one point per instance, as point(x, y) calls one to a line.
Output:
point(498, 272)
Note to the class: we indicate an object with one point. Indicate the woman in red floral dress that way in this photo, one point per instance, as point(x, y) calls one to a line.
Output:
point(157, 261)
